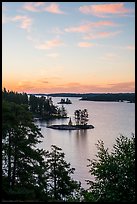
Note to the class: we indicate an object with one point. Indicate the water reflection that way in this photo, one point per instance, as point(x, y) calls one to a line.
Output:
point(80, 140)
point(81, 133)
point(109, 120)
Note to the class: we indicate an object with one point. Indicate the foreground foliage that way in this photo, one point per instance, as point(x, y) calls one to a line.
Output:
point(30, 173)
point(27, 171)
point(114, 172)
point(21, 160)
point(60, 184)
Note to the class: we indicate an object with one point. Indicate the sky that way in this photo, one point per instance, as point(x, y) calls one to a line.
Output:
point(73, 47)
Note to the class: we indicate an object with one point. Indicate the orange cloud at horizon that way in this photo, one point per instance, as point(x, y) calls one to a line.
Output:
point(71, 87)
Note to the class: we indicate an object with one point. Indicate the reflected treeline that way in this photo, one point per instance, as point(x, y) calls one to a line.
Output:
point(81, 133)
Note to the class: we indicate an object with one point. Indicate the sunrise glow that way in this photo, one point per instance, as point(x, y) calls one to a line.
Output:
point(80, 47)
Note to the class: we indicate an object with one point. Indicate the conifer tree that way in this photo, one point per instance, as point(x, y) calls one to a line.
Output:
point(114, 172)
point(22, 162)
point(60, 183)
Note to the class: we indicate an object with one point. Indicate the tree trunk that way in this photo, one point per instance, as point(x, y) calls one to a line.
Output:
point(14, 166)
point(9, 160)
point(55, 179)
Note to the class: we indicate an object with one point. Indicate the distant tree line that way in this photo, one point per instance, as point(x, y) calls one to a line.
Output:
point(98, 96)
point(110, 97)
point(33, 174)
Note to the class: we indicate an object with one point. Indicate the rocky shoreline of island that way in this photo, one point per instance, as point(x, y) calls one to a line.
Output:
point(72, 127)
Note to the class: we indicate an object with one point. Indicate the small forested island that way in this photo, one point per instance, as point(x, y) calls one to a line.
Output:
point(63, 101)
point(71, 127)
point(81, 118)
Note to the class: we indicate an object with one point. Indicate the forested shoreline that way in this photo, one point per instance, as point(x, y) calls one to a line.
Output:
point(41, 107)
point(30, 173)
point(117, 97)
point(33, 174)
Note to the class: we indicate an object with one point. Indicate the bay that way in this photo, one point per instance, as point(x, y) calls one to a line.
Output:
point(110, 119)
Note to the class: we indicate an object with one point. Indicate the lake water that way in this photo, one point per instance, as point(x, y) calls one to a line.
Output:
point(110, 119)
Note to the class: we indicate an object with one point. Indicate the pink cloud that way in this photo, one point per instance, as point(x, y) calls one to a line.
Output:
point(103, 9)
point(123, 86)
point(33, 6)
point(25, 22)
point(30, 7)
point(79, 29)
point(39, 87)
point(49, 44)
point(53, 8)
point(88, 26)
point(97, 35)
point(85, 88)
point(130, 47)
point(103, 23)
point(37, 4)
point(116, 87)
point(85, 44)
point(41, 7)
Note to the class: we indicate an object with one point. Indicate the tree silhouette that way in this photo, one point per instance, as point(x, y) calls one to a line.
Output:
point(114, 172)
point(22, 162)
point(60, 183)
point(81, 117)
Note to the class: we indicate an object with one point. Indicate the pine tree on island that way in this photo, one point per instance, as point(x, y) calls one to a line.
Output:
point(81, 117)
point(70, 122)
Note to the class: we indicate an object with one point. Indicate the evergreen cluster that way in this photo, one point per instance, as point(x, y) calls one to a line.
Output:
point(30, 173)
point(41, 107)
point(81, 117)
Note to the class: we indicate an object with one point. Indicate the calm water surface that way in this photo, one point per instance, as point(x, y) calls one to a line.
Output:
point(110, 119)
